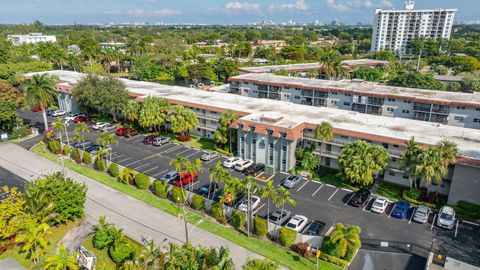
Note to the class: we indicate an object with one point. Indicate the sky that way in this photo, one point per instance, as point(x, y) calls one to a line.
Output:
point(212, 11)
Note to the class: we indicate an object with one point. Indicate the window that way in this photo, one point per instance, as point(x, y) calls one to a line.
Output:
point(334, 93)
point(476, 120)
point(348, 95)
point(405, 111)
point(395, 146)
point(343, 137)
point(406, 101)
point(390, 109)
point(461, 107)
point(334, 102)
point(255, 91)
point(458, 118)
point(346, 103)
point(392, 173)
point(297, 97)
point(246, 90)
point(254, 141)
point(391, 99)
point(477, 109)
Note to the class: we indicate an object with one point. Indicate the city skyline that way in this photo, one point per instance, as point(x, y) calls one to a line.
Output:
point(214, 12)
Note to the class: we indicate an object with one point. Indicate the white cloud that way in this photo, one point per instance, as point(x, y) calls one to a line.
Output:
point(242, 6)
point(299, 5)
point(113, 12)
point(137, 12)
point(348, 5)
point(158, 12)
point(337, 6)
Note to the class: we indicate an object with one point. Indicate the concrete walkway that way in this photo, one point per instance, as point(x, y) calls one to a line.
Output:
point(139, 220)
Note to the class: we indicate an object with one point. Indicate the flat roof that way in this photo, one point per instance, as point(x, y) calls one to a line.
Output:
point(309, 66)
point(292, 115)
point(360, 87)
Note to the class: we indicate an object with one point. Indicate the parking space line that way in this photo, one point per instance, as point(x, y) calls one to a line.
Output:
point(119, 156)
point(351, 196)
point(141, 166)
point(391, 211)
point(433, 222)
point(456, 228)
point(196, 152)
point(333, 194)
point(123, 160)
point(173, 149)
point(413, 214)
point(161, 146)
point(366, 205)
point(184, 151)
point(258, 208)
point(347, 190)
point(284, 173)
point(306, 182)
point(331, 185)
point(135, 162)
point(317, 190)
point(471, 223)
point(149, 170)
point(160, 173)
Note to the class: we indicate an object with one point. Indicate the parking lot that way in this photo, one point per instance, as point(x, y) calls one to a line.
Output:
point(314, 199)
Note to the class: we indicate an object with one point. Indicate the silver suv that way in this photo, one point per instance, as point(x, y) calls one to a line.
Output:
point(158, 141)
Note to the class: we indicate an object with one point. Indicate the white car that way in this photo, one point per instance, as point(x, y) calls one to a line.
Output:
point(297, 222)
point(244, 165)
point(99, 125)
point(446, 217)
point(72, 116)
point(58, 113)
point(255, 201)
point(379, 205)
point(231, 161)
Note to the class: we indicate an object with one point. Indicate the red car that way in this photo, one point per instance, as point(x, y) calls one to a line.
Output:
point(120, 131)
point(130, 132)
point(37, 109)
point(149, 139)
point(80, 119)
point(184, 179)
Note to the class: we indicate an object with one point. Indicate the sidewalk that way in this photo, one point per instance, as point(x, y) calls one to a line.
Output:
point(139, 220)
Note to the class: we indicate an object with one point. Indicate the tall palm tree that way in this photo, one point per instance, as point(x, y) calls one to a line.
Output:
point(79, 132)
point(448, 151)
point(409, 161)
point(193, 168)
point(33, 238)
point(284, 197)
point(270, 193)
point(62, 260)
point(431, 166)
point(37, 201)
point(106, 140)
point(153, 113)
point(132, 111)
point(40, 92)
point(227, 118)
point(347, 238)
point(331, 63)
point(324, 133)
point(248, 186)
point(217, 174)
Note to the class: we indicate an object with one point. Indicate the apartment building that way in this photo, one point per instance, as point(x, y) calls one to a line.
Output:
point(271, 131)
point(448, 108)
point(18, 40)
point(395, 29)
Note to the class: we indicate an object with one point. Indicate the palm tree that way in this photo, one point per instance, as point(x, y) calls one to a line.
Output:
point(409, 161)
point(132, 111)
point(37, 201)
point(32, 236)
point(127, 175)
point(347, 238)
point(270, 193)
point(227, 119)
point(180, 164)
point(40, 93)
point(79, 132)
point(247, 186)
point(151, 257)
point(217, 174)
point(106, 140)
point(324, 133)
point(448, 151)
point(182, 120)
point(193, 168)
point(283, 197)
point(152, 113)
point(62, 260)
point(331, 63)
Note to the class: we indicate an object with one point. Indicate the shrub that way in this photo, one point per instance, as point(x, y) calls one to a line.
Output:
point(197, 202)
point(142, 181)
point(160, 188)
point(238, 219)
point(105, 237)
point(75, 155)
point(87, 158)
point(333, 259)
point(407, 198)
point(66, 150)
point(287, 236)
point(216, 211)
point(184, 138)
point(120, 252)
point(260, 226)
point(414, 193)
point(100, 164)
point(263, 264)
point(178, 195)
point(113, 170)
point(349, 256)
point(303, 249)
point(54, 146)
point(328, 247)
point(467, 209)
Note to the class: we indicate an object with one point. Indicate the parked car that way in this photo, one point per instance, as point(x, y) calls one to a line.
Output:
point(231, 162)
point(292, 180)
point(278, 217)
point(217, 194)
point(297, 223)
point(130, 132)
point(95, 148)
point(120, 131)
point(169, 176)
point(160, 140)
point(38, 109)
point(148, 139)
point(184, 179)
point(315, 227)
point(49, 112)
point(208, 188)
point(360, 197)
point(57, 113)
point(80, 119)
point(400, 210)
point(72, 116)
point(84, 144)
point(210, 155)
point(108, 127)
point(255, 169)
point(254, 202)
point(379, 205)
point(243, 165)
point(421, 214)
point(446, 217)
point(99, 125)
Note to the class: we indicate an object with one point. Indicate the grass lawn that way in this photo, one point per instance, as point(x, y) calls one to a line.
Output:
point(332, 179)
point(53, 239)
point(196, 142)
point(262, 247)
point(390, 191)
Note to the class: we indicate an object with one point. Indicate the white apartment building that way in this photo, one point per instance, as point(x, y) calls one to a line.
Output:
point(18, 40)
point(394, 29)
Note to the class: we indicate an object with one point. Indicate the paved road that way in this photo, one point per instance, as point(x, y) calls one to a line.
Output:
point(316, 200)
point(139, 220)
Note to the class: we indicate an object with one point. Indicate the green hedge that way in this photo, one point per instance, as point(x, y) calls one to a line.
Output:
point(260, 226)
point(238, 219)
point(197, 202)
point(333, 259)
point(217, 210)
point(287, 236)
point(54, 146)
point(120, 252)
point(469, 210)
point(223, 152)
point(178, 195)
point(160, 188)
point(75, 155)
point(142, 181)
point(114, 170)
point(87, 158)
point(100, 164)
point(405, 196)
point(66, 150)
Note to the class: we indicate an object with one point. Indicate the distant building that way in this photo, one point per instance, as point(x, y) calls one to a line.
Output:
point(395, 29)
point(18, 40)
point(122, 47)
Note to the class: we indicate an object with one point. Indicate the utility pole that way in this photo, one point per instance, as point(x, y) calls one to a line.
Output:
point(186, 223)
point(248, 209)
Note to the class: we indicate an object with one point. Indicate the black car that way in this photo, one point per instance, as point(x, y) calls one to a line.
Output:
point(208, 188)
point(259, 167)
point(315, 227)
point(360, 197)
point(217, 194)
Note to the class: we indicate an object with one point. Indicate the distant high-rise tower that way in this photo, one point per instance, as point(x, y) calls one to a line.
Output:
point(394, 29)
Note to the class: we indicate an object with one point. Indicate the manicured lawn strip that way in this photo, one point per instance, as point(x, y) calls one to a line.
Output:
point(390, 191)
point(196, 142)
point(262, 247)
point(336, 181)
point(53, 239)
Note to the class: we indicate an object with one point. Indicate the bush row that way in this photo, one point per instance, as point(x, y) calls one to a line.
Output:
point(406, 197)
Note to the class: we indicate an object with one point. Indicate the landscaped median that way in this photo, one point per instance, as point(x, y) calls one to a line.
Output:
point(267, 249)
